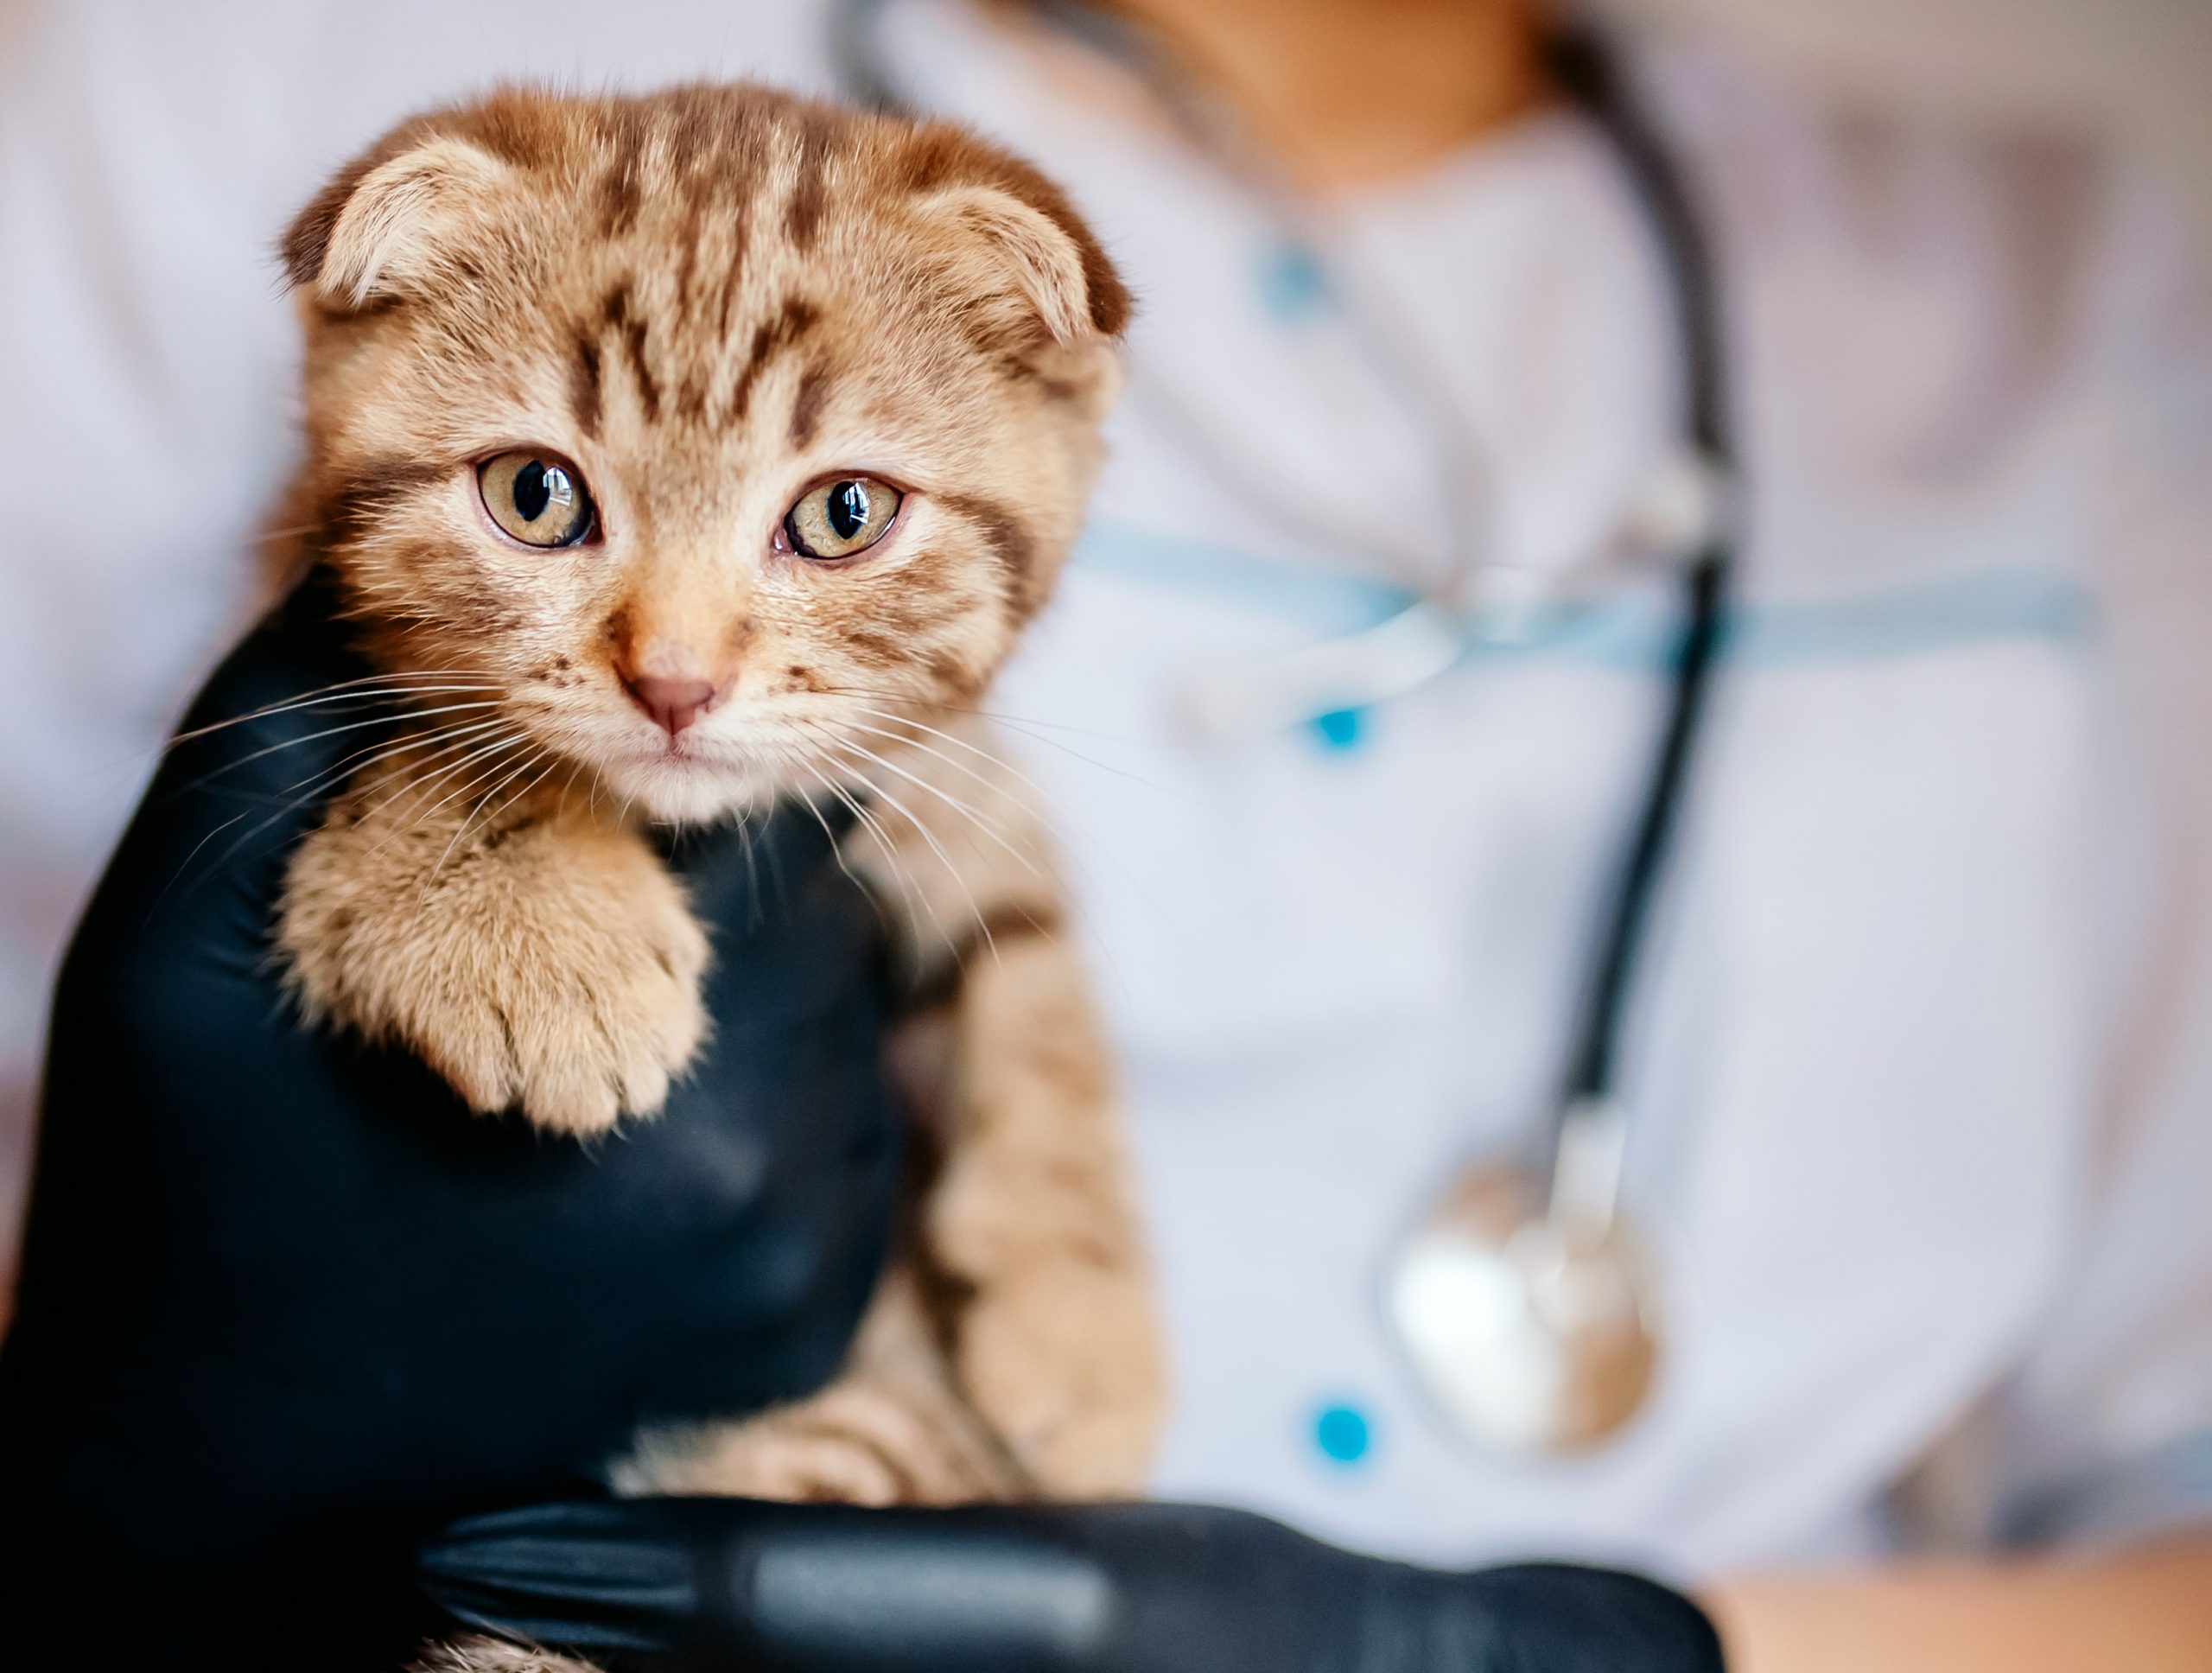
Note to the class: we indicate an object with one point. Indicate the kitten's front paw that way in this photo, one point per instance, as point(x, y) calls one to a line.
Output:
point(1064, 1359)
point(575, 1047)
point(555, 969)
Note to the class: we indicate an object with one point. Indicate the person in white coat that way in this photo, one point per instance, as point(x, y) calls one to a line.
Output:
point(1918, 1060)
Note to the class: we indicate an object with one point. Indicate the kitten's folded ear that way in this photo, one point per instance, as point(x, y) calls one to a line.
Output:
point(1014, 235)
point(389, 224)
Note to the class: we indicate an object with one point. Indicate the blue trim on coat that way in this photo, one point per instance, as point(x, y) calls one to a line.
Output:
point(1633, 633)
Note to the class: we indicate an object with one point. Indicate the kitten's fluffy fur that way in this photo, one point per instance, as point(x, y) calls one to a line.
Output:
point(708, 300)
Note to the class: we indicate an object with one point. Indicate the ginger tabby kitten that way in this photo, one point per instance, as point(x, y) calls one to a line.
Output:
point(678, 454)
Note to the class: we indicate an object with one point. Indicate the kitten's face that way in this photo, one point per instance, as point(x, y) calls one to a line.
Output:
point(712, 430)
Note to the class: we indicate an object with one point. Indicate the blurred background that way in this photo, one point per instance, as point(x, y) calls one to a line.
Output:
point(2136, 69)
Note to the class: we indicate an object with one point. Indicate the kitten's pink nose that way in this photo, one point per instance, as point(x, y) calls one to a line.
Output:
point(673, 703)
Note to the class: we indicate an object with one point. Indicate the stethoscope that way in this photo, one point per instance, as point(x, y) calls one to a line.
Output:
point(1522, 1299)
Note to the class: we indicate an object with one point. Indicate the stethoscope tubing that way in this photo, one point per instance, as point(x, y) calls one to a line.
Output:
point(1662, 187)
point(1587, 71)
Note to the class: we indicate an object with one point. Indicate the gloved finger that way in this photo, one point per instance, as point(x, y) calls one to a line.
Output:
point(631, 1577)
point(830, 1588)
point(1053, 1588)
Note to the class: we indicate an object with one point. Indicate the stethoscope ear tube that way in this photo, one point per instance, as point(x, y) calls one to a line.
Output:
point(1588, 72)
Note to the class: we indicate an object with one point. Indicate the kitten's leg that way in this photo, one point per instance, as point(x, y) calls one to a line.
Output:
point(891, 1430)
point(495, 1656)
point(531, 954)
point(1030, 1223)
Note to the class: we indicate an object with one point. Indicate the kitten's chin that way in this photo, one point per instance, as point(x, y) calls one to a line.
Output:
point(686, 792)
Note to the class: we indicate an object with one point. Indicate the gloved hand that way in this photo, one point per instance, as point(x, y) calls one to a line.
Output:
point(286, 1305)
point(730, 1584)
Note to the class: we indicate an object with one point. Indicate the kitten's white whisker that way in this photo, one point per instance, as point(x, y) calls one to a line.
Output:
point(477, 765)
point(861, 813)
point(999, 762)
point(1028, 862)
point(509, 773)
point(553, 764)
point(900, 872)
point(751, 872)
point(314, 787)
point(318, 786)
point(1074, 902)
point(980, 778)
point(392, 713)
point(185, 864)
point(975, 906)
point(974, 816)
point(387, 750)
point(1001, 715)
point(429, 881)
point(1066, 853)
point(484, 752)
point(373, 689)
point(836, 846)
point(396, 718)
point(1028, 729)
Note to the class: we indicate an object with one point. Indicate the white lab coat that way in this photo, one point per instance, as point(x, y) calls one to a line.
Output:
point(1921, 1069)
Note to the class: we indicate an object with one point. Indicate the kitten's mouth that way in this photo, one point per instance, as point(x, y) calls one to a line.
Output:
point(685, 778)
point(675, 756)
point(655, 748)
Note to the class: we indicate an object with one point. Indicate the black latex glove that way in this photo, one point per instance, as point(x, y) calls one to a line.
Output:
point(286, 1305)
point(730, 1584)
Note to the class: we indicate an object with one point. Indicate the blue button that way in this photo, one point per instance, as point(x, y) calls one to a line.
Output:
point(1340, 728)
point(1292, 283)
point(1342, 1434)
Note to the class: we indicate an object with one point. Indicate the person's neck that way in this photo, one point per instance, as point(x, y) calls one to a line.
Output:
point(1344, 93)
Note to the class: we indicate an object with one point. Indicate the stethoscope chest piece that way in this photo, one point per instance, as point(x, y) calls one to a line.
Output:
point(1530, 1324)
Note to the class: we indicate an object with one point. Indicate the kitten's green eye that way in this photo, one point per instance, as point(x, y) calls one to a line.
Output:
point(841, 518)
point(539, 498)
